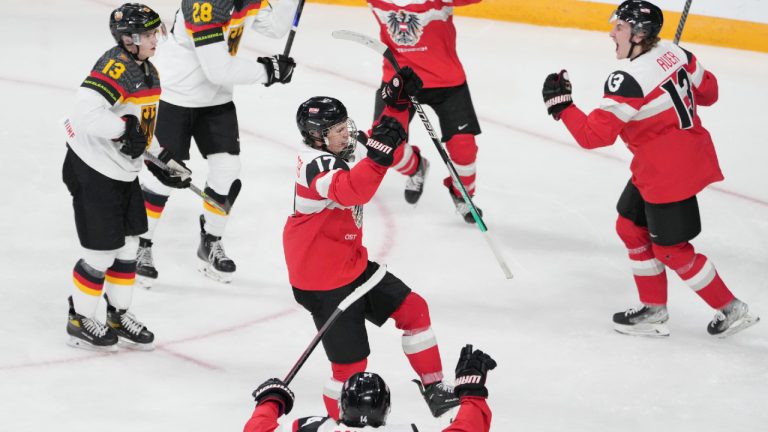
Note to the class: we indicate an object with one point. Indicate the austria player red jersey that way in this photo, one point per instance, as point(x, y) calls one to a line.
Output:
point(421, 35)
point(652, 104)
point(323, 239)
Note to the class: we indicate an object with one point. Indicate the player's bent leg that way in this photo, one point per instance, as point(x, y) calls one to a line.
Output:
point(88, 276)
point(332, 388)
point(118, 285)
point(699, 273)
point(156, 196)
point(462, 149)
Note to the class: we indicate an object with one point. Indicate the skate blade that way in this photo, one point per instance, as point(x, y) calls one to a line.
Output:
point(145, 282)
point(131, 345)
point(81, 344)
point(745, 322)
point(647, 330)
point(216, 275)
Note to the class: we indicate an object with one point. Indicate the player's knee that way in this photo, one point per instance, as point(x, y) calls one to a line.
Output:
point(632, 235)
point(342, 371)
point(675, 256)
point(462, 148)
point(96, 261)
point(129, 249)
point(412, 314)
point(223, 170)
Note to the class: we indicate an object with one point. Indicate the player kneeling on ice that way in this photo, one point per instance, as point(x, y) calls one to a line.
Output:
point(323, 243)
point(111, 127)
point(651, 104)
point(365, 402)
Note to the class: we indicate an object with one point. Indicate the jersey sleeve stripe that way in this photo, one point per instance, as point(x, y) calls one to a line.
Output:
point(622, 111)
point(697, 75)
point(306, 192)
point(322, 183)
point(104, 86)
point(207, 37)
point(251, 9)
point(656, 106)
point(192, 28)
point(309, 206)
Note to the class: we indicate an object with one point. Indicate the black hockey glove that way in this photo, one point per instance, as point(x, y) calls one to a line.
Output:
point(279, 69)
point(385, 137)
point(275, 390)
point(471, 371)
point(134, 140)
point(395, 92)
point(177, 175)
point(557, 93)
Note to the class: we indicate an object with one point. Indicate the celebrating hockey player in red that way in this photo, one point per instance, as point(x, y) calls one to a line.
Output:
point(421, 34)
point(200, 67)
point(107, 134)
point(365, 402)
point(323, 242)
point(652, 104)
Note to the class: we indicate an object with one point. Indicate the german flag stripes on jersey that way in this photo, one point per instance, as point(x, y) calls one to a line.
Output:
point(116, 86)
point(421, 35)
point(652, 105)
point(208, 22)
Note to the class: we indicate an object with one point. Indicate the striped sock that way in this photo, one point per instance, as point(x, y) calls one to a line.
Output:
point(154, 205)
point(119, 283)
point(88, 285)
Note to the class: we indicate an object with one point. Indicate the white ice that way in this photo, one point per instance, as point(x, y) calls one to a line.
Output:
point(548, 203)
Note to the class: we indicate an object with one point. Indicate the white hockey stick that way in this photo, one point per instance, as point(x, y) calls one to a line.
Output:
point(178, 169)
point(382, 49)
point(351, 298)
point(683, 19)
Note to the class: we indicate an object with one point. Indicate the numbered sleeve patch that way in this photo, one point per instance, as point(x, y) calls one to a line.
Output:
point(622, 84)
point(105, 79)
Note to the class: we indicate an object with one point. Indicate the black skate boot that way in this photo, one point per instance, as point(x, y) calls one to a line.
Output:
point(439, 397)
point(414, 185)
point(461, 206)
point(87, 333)
point(132, 333)
point(733, 318)
point(643, 321)
point(146, 273)
point(218, 266)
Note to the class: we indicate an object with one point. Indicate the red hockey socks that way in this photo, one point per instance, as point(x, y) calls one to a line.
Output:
point(332, 389)
point(649, 273)
point(697, 271)
point(462, 149)
point(419, 341)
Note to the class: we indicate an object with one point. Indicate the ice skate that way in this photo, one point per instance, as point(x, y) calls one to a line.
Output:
point(414, 185)
point(217, 265)
point(733, 318)
point(643, 321)
point(87, 333)
point(462, 208)
point(146, 273)
point(131, 332)
point(439, 397)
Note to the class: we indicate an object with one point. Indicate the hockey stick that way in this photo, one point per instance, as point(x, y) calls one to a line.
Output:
point(351, 298)
point(383, 50)
point(212, 202)
point(294, 28)
point(683, 18)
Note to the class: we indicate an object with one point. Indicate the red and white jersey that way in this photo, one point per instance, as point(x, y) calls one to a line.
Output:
point(421, 35)
point(474, 416)
point(199, 61)
point(117, 86)
point(323, 239)
point(652, 104)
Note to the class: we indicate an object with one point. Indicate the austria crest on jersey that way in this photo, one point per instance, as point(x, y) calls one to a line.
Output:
point(405, 28)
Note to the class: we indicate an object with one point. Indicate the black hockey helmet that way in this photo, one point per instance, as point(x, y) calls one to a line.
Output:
point(645, 17)
point(317, 115)
point(364, 400)
point(132, 19)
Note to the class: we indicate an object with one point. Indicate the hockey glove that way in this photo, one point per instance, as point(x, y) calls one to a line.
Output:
point(471, 371)
point(176, 174)
point(134, 140)
point(279, 69)
point(395, 93)
point(277, 391)
point(557, 93)
point(385, 137)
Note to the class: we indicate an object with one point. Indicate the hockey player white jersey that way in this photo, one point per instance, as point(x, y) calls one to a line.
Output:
point(116, 86)
point(199, 61)
point(327, 424)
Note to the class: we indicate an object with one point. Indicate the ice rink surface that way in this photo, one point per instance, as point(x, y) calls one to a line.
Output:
point(548, 203)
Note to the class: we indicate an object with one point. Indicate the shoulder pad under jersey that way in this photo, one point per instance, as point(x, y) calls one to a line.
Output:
point(204, 20)
point(116, 75)
point(622, 84)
